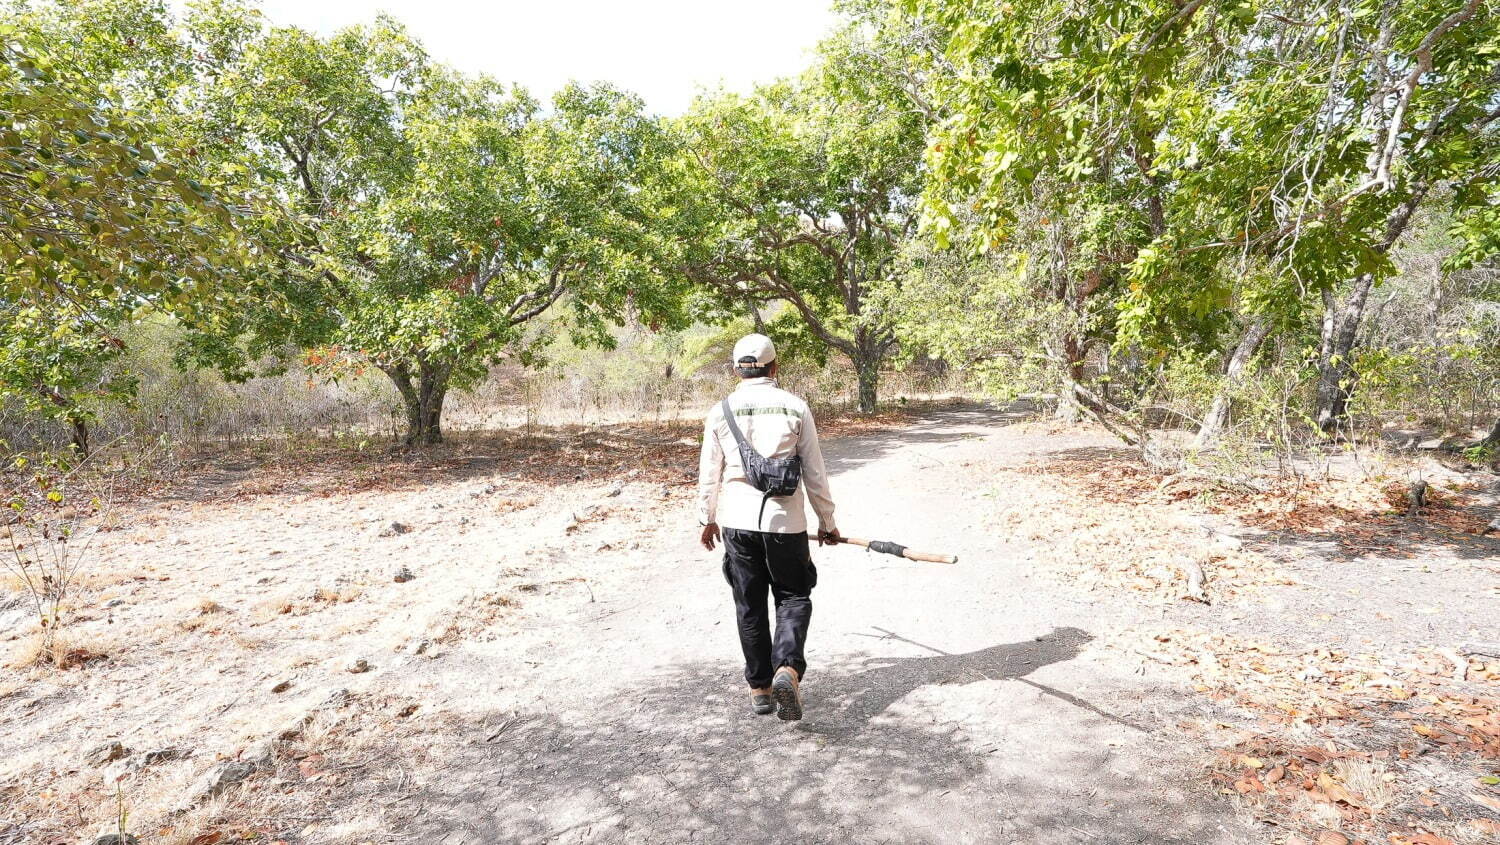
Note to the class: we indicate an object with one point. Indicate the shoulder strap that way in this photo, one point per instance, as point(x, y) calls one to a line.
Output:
point(734, 428)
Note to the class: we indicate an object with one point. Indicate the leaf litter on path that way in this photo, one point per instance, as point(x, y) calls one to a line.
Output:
point(1386, 749)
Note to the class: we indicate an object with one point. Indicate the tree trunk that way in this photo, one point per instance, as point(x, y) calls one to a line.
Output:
point(867, 355)
point(1069, 408)
point(1336, 355)
point(1234, 372)
point(1491, 440)
point(80, 435)
point(869, 383)
point(422, 397)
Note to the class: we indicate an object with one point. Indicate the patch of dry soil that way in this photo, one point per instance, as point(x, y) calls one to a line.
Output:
point(562, 667)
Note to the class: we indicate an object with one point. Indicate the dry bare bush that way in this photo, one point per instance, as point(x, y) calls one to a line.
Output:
point(49, 528)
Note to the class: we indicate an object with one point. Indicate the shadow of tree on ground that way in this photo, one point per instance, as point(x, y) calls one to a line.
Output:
point(686, 761)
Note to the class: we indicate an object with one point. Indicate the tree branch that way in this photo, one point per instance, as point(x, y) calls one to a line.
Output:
point(1423, 56)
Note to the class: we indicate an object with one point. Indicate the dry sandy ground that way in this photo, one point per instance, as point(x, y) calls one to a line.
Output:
point(563, 667)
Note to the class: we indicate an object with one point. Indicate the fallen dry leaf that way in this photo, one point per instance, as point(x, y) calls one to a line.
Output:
point(1249, 783)
point(1485, 825)
point(311, 768)
point(1329, 837)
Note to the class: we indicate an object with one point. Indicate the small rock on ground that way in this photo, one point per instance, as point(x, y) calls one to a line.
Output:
point(394, 529)
point(164, 755)
point(334, 700)
point(217, 779)
point(105, 753)
point(403, 575)
point(262, 755)
point(358, 666)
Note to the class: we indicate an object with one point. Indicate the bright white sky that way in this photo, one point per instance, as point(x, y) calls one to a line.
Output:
point(664, 50)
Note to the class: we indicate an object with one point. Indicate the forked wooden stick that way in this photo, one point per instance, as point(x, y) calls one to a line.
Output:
point(898, 550)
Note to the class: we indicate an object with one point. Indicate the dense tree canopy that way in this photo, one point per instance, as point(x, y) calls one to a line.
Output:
point(95, 200)
point(1103, 200)
point(1250, 158)
point(804, 193)
point(441, 212)
point(104, 208)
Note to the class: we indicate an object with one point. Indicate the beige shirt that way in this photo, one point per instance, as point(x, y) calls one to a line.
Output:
point(779, 425)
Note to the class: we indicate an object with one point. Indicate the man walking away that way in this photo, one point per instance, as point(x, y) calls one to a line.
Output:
point(764, 526)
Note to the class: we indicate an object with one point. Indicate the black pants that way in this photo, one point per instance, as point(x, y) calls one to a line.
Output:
point(758, 562)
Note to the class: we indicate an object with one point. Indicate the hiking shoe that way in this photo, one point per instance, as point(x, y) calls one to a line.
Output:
point(760, 701)
point(784, 688)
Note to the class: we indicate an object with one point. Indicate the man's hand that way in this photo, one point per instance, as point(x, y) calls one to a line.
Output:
point(710, 535)
point(829, 537)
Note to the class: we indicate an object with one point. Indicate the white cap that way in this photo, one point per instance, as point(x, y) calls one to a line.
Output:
point(756, 346)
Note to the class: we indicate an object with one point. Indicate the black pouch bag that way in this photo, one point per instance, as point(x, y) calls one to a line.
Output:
point(771, 476)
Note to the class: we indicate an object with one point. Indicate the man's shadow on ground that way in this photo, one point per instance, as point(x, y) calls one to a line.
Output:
point(861, 696)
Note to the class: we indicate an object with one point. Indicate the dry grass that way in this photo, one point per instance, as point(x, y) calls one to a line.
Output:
point(1370, 780)
point(205, 613)
point(511, 504)
point(341, 595)
point(10, 687)
point(65, 651)
point(268, 610)
point(472, 617)
point(287, 604)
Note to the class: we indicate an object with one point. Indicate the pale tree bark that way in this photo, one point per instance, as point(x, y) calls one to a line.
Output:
point(1336, 374)
point(1234, 376)
point(1492, 440)
point(1069, 408)
point(1341, 321)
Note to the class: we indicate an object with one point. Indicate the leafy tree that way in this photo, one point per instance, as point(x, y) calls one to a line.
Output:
point(54, 363)
point(95, 203)
point(1051, 115)
point(805, 192)
point(1262, 157)
point(105, 208)
point(1341, 128)
point(984, 315)
point(442, 213)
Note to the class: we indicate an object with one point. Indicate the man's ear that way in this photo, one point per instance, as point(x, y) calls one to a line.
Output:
point(771, 371)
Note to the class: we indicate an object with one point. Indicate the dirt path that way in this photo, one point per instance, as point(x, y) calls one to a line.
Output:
point(957, 704)
point(563, 665)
